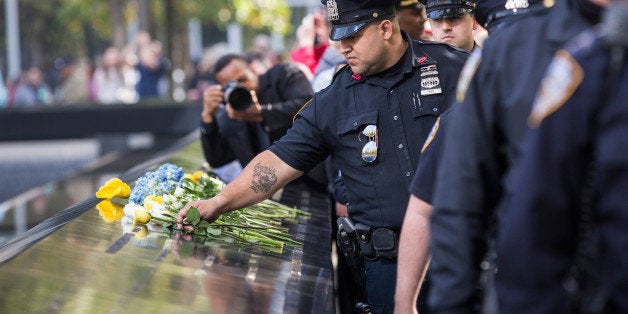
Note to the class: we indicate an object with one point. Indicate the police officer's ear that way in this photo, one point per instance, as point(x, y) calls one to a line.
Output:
point(386, 27)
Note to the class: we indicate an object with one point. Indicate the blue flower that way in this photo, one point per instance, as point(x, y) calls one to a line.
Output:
point(162, 181)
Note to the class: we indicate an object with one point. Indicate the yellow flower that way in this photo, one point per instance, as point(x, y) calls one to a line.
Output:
point(194, 176)
point(150, 201)
point(114, 188)
point(109, 211)
point(142, 215)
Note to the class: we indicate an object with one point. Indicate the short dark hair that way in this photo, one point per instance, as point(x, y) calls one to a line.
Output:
point(226, 60)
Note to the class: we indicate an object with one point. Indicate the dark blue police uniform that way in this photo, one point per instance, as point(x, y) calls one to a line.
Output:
point(422, 185)
point(482, 142)
point(541, 226)
point(393, 110)
point(333, 122)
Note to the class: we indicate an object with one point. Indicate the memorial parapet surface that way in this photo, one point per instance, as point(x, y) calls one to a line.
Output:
point(76, 262)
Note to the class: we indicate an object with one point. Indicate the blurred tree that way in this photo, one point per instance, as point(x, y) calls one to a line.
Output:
point(53, 28)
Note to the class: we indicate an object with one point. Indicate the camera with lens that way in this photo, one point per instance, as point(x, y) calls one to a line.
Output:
point(237, 95)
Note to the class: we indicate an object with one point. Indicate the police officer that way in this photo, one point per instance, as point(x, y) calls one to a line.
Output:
point(411, 18)
point(563, 229)
point(452, 21)
point(372, 120)
point(482, 141)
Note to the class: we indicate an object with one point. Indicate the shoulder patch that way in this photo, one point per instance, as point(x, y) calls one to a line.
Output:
point(467, 73)
point(563, 76)
point(432, 135)
point(339, 66)
point(301, 109)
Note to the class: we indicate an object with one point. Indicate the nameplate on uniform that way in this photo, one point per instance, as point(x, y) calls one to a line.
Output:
point(430, 83)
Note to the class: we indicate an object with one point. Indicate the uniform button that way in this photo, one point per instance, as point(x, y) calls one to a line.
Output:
point(391, 91)
point(355, 124)
point(395, 118)
point(407, 174)
point(434, 109)
point(400, 146)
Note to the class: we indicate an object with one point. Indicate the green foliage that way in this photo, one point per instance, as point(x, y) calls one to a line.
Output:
point(54, 28)
point(271, 15)
point(259, 225)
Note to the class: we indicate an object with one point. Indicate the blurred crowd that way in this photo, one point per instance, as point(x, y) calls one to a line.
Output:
point(118, 75)
point(141, 69)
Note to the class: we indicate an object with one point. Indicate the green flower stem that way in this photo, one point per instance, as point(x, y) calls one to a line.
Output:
point(163, 219)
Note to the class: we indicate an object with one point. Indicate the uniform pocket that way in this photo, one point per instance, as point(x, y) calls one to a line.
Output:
point(354, 142)
point(356, 122)
point(432, 105)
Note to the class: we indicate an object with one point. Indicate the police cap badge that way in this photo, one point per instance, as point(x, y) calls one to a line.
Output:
point(347, 17)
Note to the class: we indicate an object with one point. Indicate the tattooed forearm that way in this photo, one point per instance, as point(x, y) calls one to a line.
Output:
point(263, 178)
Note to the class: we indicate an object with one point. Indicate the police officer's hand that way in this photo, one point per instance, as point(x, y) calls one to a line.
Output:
point(212, 97)
point(209, 209)
point(252, 114)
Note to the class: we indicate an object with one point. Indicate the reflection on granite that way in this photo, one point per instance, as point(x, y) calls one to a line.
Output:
point(70, 269)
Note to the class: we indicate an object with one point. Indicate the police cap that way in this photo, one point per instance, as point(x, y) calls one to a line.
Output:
point(347, 17)
point(442, 9)
point(488, 11)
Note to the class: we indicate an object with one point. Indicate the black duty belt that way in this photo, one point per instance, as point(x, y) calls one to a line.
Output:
point(376, 242)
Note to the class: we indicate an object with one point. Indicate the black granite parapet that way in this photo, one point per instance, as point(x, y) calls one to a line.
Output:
point(76, 262)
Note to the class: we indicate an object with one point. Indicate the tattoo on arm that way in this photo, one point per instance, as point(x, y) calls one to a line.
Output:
point(263, 178)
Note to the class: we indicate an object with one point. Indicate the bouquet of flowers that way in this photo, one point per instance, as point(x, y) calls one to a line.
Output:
point(158, 196)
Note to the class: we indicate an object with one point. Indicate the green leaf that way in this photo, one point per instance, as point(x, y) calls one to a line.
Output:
point(214, 231)
point(204, 224)
point(119, 201)
point(186, 249)
point(193, 216)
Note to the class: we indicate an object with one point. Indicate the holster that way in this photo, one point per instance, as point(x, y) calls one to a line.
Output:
point(377, 242)
point(349, 246)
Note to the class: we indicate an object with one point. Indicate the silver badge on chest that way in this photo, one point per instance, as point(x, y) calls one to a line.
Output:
point(430, 82)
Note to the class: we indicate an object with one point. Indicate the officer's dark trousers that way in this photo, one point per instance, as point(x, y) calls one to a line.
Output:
point(381, 277)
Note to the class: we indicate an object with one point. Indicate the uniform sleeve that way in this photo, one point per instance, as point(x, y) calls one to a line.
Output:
point(464, 180)
point(294, 88)
point(422, 185)
point(537, 213)
point(304, 146)
point(540, 209)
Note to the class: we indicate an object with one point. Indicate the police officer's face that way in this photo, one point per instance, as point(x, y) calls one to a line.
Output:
point(240, 72)
point(457, 31)
point(411, 20)
point(366, 51)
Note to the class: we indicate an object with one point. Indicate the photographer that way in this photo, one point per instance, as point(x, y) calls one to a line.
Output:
point(276, 94)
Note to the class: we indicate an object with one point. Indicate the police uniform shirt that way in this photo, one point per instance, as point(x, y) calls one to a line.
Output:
point(538, 232)
point(403, 108)
point(482, 142)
